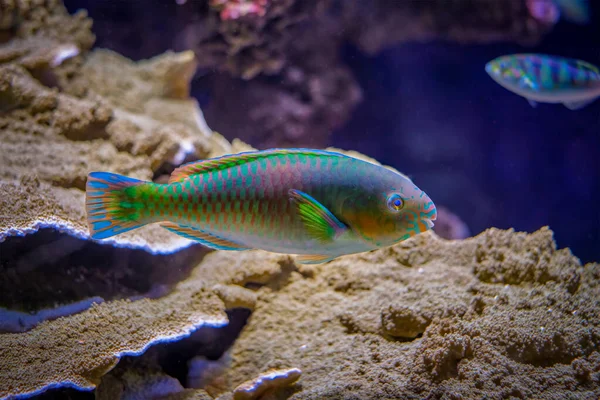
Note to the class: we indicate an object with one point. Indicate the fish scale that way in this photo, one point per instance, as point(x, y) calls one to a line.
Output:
point(299, 201)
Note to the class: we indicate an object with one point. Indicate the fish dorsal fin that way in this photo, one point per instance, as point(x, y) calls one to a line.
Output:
point(206, 239)
point(586, 65)
point(314, 258)
point(232, 160)
point(320, 223)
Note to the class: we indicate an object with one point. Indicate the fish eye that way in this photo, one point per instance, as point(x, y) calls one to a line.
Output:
point(395, 202)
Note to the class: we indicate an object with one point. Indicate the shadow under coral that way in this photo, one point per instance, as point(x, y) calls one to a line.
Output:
point(49, 274)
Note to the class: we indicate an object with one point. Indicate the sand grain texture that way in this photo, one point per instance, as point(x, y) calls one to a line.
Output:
point(499, 315)
point(78, 350)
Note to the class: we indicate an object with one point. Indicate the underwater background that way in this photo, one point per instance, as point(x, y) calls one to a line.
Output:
point(499, 301)
point(425, 107)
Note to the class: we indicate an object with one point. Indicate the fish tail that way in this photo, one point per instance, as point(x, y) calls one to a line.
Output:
point(113, 203)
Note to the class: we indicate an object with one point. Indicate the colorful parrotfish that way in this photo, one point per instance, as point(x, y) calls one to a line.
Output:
point(314, 203)
point(547, 79)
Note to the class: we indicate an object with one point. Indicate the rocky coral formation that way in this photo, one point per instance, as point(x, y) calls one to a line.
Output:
point(111, 114)
point(77, 351)
point(301, 89)
point(63, 113)
point(503, 314)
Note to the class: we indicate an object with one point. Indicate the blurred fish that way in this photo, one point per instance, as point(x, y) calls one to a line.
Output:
point(315, 203)
point(547, 79)
point(550, 11)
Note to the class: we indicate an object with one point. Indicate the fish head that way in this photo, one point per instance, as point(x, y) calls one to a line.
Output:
point(508, 71)
point(391, 210)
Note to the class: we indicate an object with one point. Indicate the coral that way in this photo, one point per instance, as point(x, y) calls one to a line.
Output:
point(44, 35)
point(77, 351)
point(48, 19)
point(137, 125)
point(273, 69)
point(415, 321)
point(268, 382)
point(39, 56)
point(299, 89)
point(133, 379)
point(16, 321)
point(234, 9)
point(531, 259)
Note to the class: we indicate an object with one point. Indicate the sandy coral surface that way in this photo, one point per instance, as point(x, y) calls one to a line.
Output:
point(500, 315)
point(65, 113)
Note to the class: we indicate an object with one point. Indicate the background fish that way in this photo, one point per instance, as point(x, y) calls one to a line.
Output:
point(547, 79)
point(315, 203)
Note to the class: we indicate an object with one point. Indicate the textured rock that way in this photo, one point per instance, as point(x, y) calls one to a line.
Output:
point(430, 317)
point(78, 350)
point(267, 383)
point(112, 115)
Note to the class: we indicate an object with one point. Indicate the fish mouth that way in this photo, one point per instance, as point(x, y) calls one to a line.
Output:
point(492, 69)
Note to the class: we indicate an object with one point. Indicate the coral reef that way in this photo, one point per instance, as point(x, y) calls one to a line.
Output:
point(502, 314)
point(77, 351)
point(110, 114)
point(274, 70)
point(301, 89)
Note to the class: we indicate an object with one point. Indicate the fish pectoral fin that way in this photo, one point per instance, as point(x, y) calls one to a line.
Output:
point(576, 105)
point(319, 222)
point(532, 103)
point(314, 258)
point(206, 239)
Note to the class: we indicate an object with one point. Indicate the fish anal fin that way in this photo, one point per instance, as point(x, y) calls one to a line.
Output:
point(206, 239)
point(232, 160)
point(532, 103)
point(320, 223)
point(314, 258)
point(576, 105)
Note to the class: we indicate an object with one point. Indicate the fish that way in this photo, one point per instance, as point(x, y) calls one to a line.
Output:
point(315, 204)
point(542, 78)
point(550, 11)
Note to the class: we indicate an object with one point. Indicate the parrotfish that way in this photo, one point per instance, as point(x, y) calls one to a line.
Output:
point(316, 204)
point(547, 79)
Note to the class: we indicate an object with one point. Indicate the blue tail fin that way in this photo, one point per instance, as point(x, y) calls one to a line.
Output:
point(112, 204)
